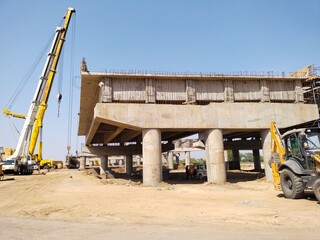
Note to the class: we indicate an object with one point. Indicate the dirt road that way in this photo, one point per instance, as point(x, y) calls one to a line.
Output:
point(68, 204)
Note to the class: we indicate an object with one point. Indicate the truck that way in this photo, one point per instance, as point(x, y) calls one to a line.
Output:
point(295, 161)
point(24, 157)
point(201, 170)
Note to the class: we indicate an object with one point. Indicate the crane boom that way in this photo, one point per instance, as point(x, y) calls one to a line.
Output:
point(30, 131)
point(49, 75)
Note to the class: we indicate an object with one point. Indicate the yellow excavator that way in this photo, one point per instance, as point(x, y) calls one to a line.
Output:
point(295, 161)
point(23, 156)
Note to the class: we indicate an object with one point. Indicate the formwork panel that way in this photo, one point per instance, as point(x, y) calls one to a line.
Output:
point(170, 90)
point(209, 90)
point(129, 90)
point(282, 91)
point(247, 90)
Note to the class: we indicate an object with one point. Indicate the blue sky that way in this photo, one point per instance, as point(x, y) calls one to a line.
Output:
point(149, 35)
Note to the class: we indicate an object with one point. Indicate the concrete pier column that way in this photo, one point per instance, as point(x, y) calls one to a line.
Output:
point(138, 160)
point(256, 160)
point(226, 162)
point(266, 147)
point(129, 164)
point(120, 162)
point(103, 164)
point(178, 159)
point(187, 157)
point(82, 163)
point(216, 170)
point(170, 159)
point(236, 159)
point(152, 163)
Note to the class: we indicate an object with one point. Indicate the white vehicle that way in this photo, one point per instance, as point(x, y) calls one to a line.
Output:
point(201, 170)
point(8, 166)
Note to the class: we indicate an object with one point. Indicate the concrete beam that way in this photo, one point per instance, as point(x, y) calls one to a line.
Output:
point(127, 137)
point(113, 150)
point(113, 135)
point(242, 145)
point(120, 150)
point(216, 115)
point(93, 129)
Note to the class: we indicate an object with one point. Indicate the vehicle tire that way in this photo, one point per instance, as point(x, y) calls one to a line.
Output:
point(291, 184)
point(316, 189)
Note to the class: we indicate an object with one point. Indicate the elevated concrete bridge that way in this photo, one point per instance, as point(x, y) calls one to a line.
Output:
point(138, 113)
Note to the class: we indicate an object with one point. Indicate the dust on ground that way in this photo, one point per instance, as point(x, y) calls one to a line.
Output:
point(72, 204)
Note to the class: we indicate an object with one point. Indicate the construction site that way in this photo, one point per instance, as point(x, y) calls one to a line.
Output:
point(134, 177)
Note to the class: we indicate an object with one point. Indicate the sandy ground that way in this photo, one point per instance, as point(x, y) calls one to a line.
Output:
point(69, 204)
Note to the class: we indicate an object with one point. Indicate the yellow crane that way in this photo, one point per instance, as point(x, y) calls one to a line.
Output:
point(24, 153)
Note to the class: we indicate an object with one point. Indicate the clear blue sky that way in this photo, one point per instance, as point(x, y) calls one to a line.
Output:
point(154, 35)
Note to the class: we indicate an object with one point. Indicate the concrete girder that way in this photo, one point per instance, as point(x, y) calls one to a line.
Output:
point(129, 135)
point(92, 131)
point(113, 135)
point(214, 115)
point(135, 149)
point(242, 145)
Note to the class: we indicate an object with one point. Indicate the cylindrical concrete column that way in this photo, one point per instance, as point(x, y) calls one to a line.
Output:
point(226, 162)
point(236, 159)
point(178, 159)
point(129, 164)
point(170, 159)
point(120, 162)
point(152, 163)
point(103, 164)
point(256, 160)
point(138, 160)
point(216, 171)
point(188, 160)
point(82, 163)
point(266, 147)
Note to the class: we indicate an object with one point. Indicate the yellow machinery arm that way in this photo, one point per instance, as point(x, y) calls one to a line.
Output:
point(17, 115)
point(46, 92)
point(278, 152)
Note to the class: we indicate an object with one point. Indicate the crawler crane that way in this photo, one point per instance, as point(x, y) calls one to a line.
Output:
point(295, 161)
point(23, 155)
